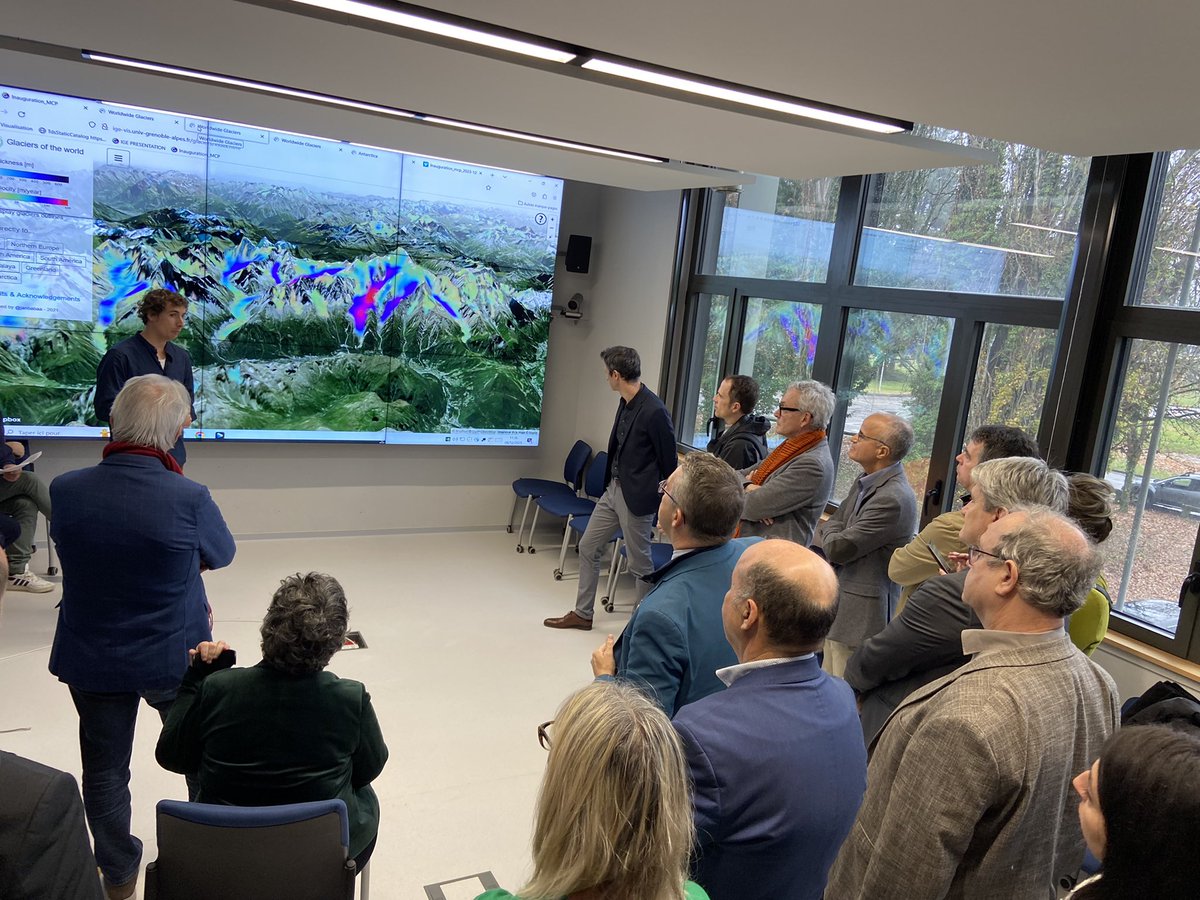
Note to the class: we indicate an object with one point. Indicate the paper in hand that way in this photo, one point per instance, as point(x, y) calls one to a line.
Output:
point(30, 459)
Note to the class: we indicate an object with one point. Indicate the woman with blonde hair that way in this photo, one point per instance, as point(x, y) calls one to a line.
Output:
point(614, 817)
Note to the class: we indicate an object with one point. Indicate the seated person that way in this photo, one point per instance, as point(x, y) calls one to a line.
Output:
point(1090, 504)
point(22, 496)
point(1139, 808)
point(613, 817)
point(787, 492)
point(742, 442)
point(285, 730)
point(913, 564)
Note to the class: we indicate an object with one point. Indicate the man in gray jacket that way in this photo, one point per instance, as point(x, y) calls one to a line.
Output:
point(877, 516)
point(787, 492)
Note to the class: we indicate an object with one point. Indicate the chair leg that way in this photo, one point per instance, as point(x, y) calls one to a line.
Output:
point(512, 513)
point(562, 552)
point(364, 882)
point(521, 530)
point(52, 566)
point(529, 548)
point(609, 598)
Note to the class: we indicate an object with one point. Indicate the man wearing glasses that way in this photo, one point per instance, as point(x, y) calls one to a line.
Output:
point(675, 642)
point(641, 453)
point(986, 754)
point(877, 516)
point(787, 492)
point(924, 642)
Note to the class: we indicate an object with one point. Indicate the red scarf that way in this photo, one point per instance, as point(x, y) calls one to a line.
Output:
point(785, 453)
point(166, 459)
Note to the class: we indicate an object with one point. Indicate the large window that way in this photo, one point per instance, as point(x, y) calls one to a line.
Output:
point(708, 345)
point(1174, 250)
point(1002, 229)
point(778, 346)
point(1011, 376)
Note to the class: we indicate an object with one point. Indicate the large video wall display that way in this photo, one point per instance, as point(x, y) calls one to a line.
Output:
point(336, 291)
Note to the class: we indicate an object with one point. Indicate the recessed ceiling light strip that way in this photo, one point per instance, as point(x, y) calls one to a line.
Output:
point(330, 99)
point(430, 23)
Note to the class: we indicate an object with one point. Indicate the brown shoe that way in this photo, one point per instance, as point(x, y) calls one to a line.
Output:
point(119, 891)
point(570, 620)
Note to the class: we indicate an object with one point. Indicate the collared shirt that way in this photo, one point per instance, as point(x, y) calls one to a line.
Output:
point(980, 640)
point(730, 674)
point(866, 483)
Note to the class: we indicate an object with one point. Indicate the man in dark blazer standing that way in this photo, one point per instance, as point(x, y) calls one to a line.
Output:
point(777, 761)
point(877, 516)
point(641, 454)
point(134, 536)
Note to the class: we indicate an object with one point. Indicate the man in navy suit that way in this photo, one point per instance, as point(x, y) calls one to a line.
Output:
point(777, 760)
point(133, 536)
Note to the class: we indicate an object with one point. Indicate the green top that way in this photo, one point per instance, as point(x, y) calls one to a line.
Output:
point(691, 891)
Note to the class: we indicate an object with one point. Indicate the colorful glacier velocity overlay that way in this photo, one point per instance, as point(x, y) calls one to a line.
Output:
point(33, 198)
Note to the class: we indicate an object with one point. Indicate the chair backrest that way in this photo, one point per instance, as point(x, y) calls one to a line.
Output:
point(594, 483)
point(576, 464)
point(291, 852)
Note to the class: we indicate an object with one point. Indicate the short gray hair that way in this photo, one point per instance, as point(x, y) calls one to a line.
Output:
point(1056, 563)
point(305, 624)
point(149, 411)
point(816, 399)
point(900, 436)
point(709, 492)
point(1020, 481)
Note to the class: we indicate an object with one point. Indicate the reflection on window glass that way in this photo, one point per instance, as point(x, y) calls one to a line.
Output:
point(778, 348)
point(989, 229)
point(1175, 250)
point(892, 362)
point(779, 228)
point(1153, 462)
point(708, 340)
point(1011, 377)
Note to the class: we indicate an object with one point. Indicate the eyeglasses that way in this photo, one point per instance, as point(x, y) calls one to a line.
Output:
point(782, 408)
point(973, 554)
point(662, 489)
point(866, 437)
point(543, 735)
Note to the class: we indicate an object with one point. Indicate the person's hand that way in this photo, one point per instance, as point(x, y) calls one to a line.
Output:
point(207, 651)
point(17, 449)
point(750, 488)
point(11, 473)
point(767, 521)
point(960, 561)
point(603, 661)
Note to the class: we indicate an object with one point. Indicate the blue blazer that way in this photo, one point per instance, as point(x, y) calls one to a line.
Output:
point(675, 640)
point(778, 769)
point(132, 537)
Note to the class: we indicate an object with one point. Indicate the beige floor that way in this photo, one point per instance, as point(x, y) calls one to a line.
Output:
point(459, 667)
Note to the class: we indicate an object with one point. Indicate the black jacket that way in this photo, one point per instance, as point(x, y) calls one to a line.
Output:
point(743, 443)
point(648, 455)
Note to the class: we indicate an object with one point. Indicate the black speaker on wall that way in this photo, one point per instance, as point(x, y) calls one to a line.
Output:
point(579, 252)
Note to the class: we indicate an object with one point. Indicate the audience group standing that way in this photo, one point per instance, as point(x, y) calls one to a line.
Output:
point(969, 752)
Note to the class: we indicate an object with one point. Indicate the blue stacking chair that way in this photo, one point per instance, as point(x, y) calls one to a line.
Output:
point(532, 488)
point(576, 526)
point(297, 851)
point(568, 507)
point(660, 555)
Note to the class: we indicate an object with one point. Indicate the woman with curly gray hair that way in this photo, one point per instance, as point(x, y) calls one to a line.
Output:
point(285, 730)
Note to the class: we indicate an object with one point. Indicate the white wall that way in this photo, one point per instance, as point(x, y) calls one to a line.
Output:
point(285, 489)
point(1134, 675)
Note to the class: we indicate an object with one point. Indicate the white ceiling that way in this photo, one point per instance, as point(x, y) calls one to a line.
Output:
point(1086, 78)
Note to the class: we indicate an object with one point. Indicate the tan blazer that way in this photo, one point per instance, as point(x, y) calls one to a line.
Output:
point(969, 786)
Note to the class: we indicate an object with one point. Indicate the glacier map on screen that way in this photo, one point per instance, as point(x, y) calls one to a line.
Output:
point(336, 291)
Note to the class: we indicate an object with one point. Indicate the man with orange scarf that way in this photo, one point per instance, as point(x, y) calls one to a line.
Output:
point(787, 492)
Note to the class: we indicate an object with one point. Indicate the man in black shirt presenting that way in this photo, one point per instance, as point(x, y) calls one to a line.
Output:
point(641, 454)
point(150, 352)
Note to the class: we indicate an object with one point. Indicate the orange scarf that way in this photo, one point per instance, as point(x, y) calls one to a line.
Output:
point(785, 453)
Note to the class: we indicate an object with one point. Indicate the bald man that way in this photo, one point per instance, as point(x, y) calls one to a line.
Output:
point(777, 760)
point(878, 516)
point(984, 756)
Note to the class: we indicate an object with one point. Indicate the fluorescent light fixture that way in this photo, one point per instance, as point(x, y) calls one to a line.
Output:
point(313, 96)
point(745, 97)
point(1180, 252)
point(538, 139)
point(499, 40)
point(942, 240)
point(1044, 228)
point(200, 75)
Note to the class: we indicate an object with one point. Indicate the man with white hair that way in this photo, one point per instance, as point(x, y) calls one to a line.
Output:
point(787, 492)
point(133, 536)
point(969, 787)
point(924, 641)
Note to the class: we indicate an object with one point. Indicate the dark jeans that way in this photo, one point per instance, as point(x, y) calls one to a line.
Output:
point(106, 724)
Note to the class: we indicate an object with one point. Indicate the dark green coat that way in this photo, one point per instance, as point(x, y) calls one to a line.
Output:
point(261, 737)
